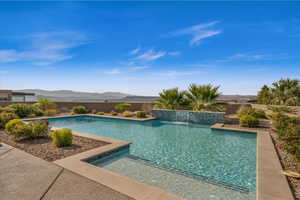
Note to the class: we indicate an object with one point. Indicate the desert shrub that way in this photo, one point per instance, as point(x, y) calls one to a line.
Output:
point(62, 137)
point(283, 109)
point(45, 104)
point(36, 111)
point(141, 114)
point(10, 126)
point(113, 113)
point(6, 117)
point(249, 121)
point(121, 107)
point(293, 147)
point(253, 112)
point(100, 113)
point(19, 129)
point(79, 110)
point(38, 129)
point(50, 112)
point(127, 114)
point(281, 120)
point(22, 110)
point(7, 109)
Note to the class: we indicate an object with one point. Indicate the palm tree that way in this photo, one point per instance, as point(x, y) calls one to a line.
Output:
point(171, 99)
point(202, 97)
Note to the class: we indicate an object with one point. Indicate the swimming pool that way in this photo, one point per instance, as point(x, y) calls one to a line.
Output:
point(225, 157)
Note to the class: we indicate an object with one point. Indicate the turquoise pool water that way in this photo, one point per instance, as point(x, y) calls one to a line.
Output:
point(227, 157)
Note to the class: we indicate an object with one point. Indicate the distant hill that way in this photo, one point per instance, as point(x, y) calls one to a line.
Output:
point(69, 95)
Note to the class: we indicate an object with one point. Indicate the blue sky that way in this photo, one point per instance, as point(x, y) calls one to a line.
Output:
point(142, 48)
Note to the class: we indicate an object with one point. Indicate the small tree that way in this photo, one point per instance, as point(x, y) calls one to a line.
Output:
point(264, 95)
point(121, 107)
point(45, 104)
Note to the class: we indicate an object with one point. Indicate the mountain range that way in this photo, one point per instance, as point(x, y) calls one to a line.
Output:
point(69, 95)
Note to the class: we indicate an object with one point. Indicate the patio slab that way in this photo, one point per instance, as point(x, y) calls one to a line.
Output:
point(4, 148)
point(26, 177)
point(23, 176)
point(72, 186)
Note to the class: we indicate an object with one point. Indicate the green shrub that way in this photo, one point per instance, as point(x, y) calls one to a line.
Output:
point(38, 129)
point(253, 112)
point(7, 110)
point(283, 109)
point(62, 137)
point(6, 117)
point(293, 147)
point(10, 126)
point(22, 110)
point(45, 104)
point(127, 114)
point(50, 112)
point(100, 113)
point(141, 114)
point(113, 113)
point(19, 129)
point(79, 110)
point(249, 121)
point(121, 107)
point(37, 111)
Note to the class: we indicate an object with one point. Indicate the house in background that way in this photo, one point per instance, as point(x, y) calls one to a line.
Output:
point(9, 95)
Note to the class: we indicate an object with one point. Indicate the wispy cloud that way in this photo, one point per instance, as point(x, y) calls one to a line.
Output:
point(174, 53)
point(150, 55)
point(199, 32)
point(245, 57)
point(174, 73)
point(113, 71)
point(45, 48)
point(134, 51)
point(135, 68)
point(8, 55)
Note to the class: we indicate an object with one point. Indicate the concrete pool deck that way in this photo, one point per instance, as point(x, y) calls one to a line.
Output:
point(23, 176)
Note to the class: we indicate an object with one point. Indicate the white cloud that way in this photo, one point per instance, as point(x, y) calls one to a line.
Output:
point(199, 32)
point(45, 48)
point(135, 68)
point(174, 53)
point(245, 57)
point(150, 55)
point(113, 71)
point(134, 51)
point(173, 73)
point(8, 55)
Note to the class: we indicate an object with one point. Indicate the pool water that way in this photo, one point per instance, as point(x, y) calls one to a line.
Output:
point(226, 157)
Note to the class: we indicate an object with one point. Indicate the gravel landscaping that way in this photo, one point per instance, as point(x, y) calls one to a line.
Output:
point(43, 148)
point(288, 162)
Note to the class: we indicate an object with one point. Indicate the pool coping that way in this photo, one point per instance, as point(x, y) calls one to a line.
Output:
point(271, 183)
point(92, 115)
